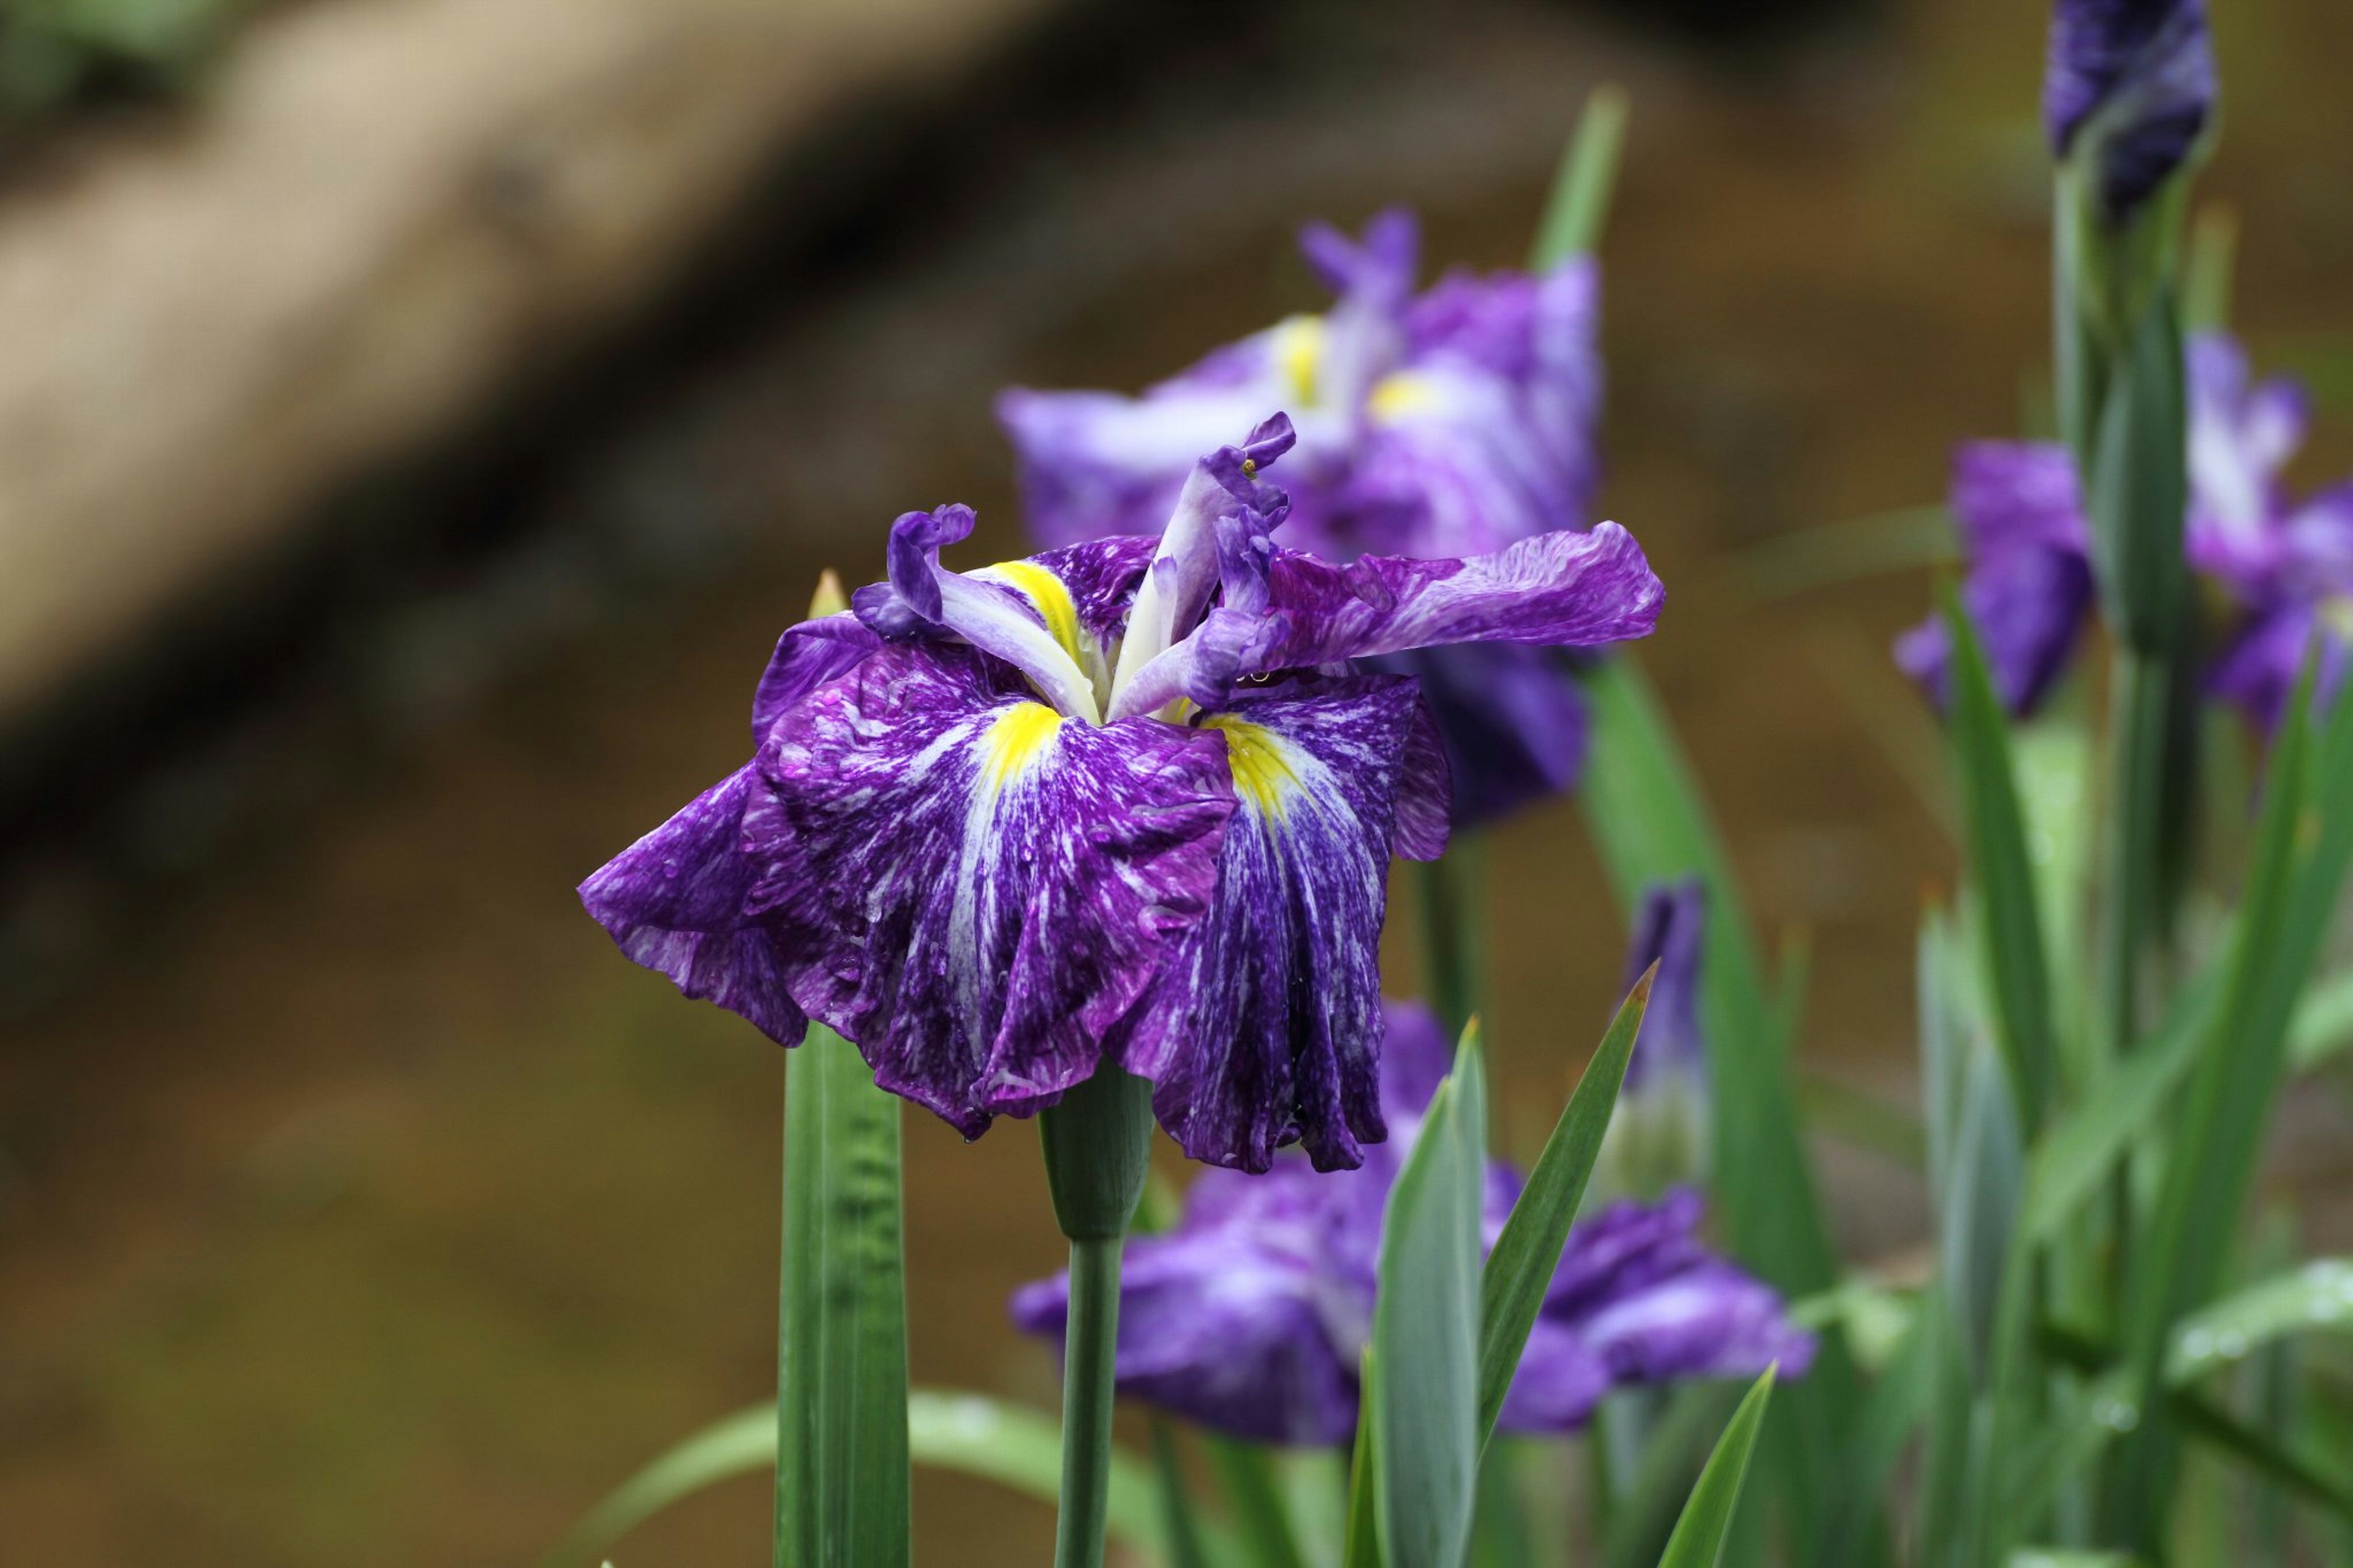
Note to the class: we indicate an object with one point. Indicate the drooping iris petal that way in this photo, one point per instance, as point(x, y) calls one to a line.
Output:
point(998, 617)
point(2135, 79)
point(1239, 1066)
point(1563, 590)
point(979, 887)
point(675, 902)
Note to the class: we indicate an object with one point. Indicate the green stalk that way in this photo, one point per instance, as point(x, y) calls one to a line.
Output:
point(1096, 1144)
point(2139, 707)
point(1453, 898)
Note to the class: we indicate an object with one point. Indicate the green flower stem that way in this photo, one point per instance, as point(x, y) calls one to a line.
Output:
point(1453, 897)
point(1097, 1144)
point(2138, 704)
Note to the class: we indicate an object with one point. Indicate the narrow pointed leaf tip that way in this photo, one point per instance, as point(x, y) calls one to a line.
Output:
point(1528, 1250)
point(1706, 1522)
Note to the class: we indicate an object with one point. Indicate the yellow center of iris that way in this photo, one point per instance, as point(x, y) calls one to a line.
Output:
point(1401, 396)
point(2337, 615)
point(1050, 597)
point(1299, 351)
point(1013, 740)
point(1260, 761)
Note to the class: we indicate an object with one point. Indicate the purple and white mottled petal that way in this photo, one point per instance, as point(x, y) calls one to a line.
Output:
point(1220, 1327)
point(1510, 720)
point(1566, 589)
point(1103, 576)
point(997, 617)
point(675, 902)
point(1239, 1065)
point(1186, 568)
point(806, 657)
point(978, 887)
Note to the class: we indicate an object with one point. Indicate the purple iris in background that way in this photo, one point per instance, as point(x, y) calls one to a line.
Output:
point(1252, 1316)
point(1657, 1136)
point(2281, 566)
point(1452, 422)
point(2128, 84)
point(1126, 799)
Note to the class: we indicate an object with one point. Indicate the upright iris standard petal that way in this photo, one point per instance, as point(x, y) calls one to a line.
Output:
point(2128, 86)
point(979, 886)
point(997, 617)
point(1252, 1316)
point(1239, 1065)
point(1440, 426)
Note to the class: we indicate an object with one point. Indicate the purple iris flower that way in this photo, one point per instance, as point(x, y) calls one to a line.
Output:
point(1127, 799)
point(1252, 1316)
point(1452, 422)
point(2282, 566)
point(2134, 82)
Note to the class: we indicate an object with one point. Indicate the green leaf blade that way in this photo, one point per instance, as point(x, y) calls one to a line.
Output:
point(2003, 871)
point(1707, 1521)
point(843, 1489)
point(1527, 1252)
point(1425, 1329)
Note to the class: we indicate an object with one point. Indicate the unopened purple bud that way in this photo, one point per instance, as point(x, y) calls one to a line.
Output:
point(2128, 86)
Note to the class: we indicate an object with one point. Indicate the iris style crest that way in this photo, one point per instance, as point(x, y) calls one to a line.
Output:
point(1132, 798)
point(2279, 566)
point(1252, 1316)
point(1453, 423)
point(2134, 81)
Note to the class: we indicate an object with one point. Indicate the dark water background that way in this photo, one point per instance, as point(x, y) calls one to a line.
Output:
point(361, 1207)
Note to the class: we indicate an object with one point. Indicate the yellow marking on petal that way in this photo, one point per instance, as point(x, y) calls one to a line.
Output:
point(1299, 354)
point(1050, 596)
point(1013, 740)
point(1261, 762)
point(1401, 396)
point(2337, 615)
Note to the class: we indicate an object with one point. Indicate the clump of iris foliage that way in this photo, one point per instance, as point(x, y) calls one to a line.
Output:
point(1103, 836)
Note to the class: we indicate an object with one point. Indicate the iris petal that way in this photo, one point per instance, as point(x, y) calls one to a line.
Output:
point(675, 902)
point(1240, 1063)
point(978, 889)
point(1000, 617)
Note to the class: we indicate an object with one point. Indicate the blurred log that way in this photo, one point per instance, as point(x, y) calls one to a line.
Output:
point(379, 213)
